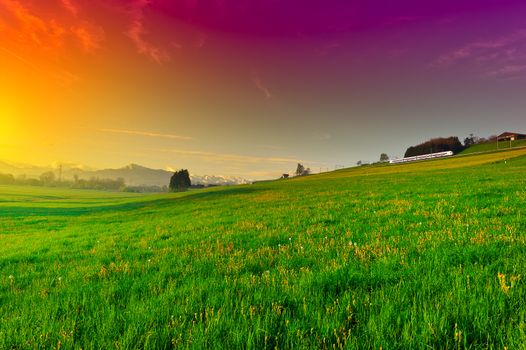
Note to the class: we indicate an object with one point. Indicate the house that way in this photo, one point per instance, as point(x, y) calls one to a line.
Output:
point(510, 136)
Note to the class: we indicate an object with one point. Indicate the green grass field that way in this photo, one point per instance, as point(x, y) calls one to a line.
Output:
point(413, 256)
point(492, 146)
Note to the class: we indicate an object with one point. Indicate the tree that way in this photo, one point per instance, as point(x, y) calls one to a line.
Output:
point(47, 177)
point(180, 181)
point(440, 144)
point(384, 157)
point(95, 183)
point(300, 169)
point(470, 141)
point(7, 179)
point(359, 163)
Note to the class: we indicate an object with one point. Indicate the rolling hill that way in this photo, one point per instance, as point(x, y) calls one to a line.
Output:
point(492, 146)
point(422, 255)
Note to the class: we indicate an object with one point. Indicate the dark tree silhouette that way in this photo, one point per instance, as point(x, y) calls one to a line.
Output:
point(435, 145)
point(470, 140)
point(300, 169)
point(180, 181)
point(384, 157)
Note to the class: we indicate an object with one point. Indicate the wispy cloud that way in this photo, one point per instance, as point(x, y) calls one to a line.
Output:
point(237, 158)
point(51, 34)
point(499, 57)
point(273, 147)
point(469, 51)
point(201, 40)
point(90, 37)
point(147, 134)
point(322, 136)
point(508, 72)
point(46, 34)
point(60, 76)
point(70, 7)
point(324, 50)
point(137, 32)
point(41, 39)
point(22, 59)
point(256, 79)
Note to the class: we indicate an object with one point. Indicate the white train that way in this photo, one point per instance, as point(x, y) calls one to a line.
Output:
point(422, 157)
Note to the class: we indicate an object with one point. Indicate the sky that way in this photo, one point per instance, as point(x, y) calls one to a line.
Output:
point(252, 87)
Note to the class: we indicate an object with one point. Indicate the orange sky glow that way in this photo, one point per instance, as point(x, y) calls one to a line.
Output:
point(214, 87)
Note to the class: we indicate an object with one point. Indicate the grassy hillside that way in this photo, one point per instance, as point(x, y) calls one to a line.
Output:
point(428, 254)
point(492, 146)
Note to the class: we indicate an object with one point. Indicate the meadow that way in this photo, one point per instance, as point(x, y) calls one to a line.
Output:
point(493, 146)
point(412, 256)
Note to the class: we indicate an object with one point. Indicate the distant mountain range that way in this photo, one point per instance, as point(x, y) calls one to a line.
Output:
point(133, 174)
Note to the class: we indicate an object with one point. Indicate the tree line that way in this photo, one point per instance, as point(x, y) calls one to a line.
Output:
point(49, 179)
point(180, 181)
point(443, 144)
point(439, 144)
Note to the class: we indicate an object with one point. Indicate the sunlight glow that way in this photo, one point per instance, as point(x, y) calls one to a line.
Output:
point(9, 133)
point(7, 124)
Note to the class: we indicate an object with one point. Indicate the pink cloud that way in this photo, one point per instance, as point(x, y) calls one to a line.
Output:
point(48, 35)
point(30, 28)
point(137, 32)
point(481, 48)
point(502, 57)
point(259, 85)
point(329, 47)
point(39, 35)
point(510, 71)
point(201, 40)
point(89, 36)
point(70, 7)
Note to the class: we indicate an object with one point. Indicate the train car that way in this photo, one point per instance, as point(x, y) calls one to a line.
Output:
point(422, 157)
